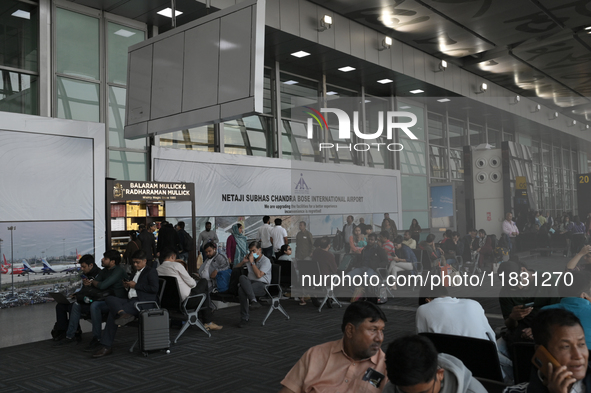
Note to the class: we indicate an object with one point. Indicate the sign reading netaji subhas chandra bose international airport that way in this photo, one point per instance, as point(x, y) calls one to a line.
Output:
point(150, 191)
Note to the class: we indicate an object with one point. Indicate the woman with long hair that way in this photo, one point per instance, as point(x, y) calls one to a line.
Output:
point(415, 230)
point(357, 241)
point(236, 248)
point(485, 249)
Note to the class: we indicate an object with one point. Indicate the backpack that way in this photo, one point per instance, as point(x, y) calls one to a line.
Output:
point(187, 242)
point(223, 280)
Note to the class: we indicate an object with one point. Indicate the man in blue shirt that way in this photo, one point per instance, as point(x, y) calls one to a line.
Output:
point(576, 299)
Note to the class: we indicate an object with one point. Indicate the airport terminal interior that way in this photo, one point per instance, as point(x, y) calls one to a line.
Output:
point(121, 115)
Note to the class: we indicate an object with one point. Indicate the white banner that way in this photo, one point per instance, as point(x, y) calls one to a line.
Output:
point(244, 186)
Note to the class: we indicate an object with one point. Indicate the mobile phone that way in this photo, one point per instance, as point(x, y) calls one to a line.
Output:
point(82, 276)
point(543, 357)
point(528, 305)
point(374, 377)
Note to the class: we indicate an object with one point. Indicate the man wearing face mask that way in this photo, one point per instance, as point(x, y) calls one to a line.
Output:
point(253, 285)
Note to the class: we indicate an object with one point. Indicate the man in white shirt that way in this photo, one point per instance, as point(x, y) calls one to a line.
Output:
point(170, 267)
point(264, 236)
point(278, 236)
point(510, 229)
point(440, 313)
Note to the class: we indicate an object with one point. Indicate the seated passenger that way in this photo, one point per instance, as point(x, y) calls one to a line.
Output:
point(143, 287)
point(561, 333)
point(372, 258)
point(284, 253)
point(409, 241)
point(576, 298)
point(90, 270)
point(253, 285)
point(343, 365)
point(440, 313)
point(214, 262)
point(108, 281)
point(357, 241)
point(415, 366)
point(171, 268)
point(433, 252)
point(324, 257)
point(405, 259)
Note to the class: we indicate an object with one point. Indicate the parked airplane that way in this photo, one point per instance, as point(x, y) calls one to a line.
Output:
point(67, 268)
point(37, 269)
point(8, 268)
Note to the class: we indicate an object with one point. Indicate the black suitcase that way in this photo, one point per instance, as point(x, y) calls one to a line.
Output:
point(154, 330)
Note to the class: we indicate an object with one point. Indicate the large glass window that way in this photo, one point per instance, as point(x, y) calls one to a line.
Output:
point(437, 129)
point(246, 136)
point(438, 160)
point(77, 100)
point(293, 88)
point(456, 164)
point(494, 138)
point(19, 35)
point(295, 143)
point(457, 133)
point(77, 44)
point(18, 93)
point(477, 134)
point(119, 39)
point(116, 120)
point(198, 138)
point(19, 50)
point(127, 165)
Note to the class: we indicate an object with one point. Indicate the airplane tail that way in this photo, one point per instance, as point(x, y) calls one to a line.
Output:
point(45, 263)
point(5, 263)
point(26, 264)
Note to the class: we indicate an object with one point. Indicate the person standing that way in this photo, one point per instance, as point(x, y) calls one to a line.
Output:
point(348, 229)
point(415, 230)
point(134, 245)
point(264, 236)
point(205, 237)
point(278, 236)
point(168, 239)
point(236, 245)
point(304, 242)
point(186, 241)
point(510, 229)
point(148, 241)
point(393, 229)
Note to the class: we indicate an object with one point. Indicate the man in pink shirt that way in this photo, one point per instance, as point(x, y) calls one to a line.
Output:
point(354, 364)
point(510, 229)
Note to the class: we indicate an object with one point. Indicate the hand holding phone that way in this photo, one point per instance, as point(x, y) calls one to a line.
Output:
point(556, 376)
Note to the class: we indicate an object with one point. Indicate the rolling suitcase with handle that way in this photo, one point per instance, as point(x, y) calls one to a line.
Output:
point(154, 330)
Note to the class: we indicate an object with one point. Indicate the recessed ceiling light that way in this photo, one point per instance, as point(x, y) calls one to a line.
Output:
point(366, 101)
point(384, 81)
point(331, 93)
point(22, 14)
point(300, 54)
point(417, 91)
point(444, 100)
point(586, 28)
point(168, 12)
point(405, 107)
point(346, 69)
point(124, 33)
point(290, 82)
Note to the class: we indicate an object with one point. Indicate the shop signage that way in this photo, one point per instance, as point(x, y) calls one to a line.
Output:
point(152, 191)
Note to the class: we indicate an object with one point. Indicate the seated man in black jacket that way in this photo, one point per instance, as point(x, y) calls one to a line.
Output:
point(372, 257)
point(143, 287)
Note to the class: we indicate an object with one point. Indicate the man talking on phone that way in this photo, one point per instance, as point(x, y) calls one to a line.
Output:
point(253, 285)
point(353, 364)
point(564, 364)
